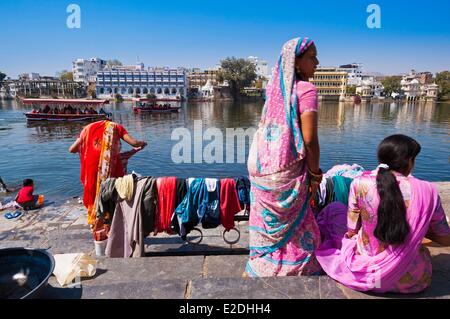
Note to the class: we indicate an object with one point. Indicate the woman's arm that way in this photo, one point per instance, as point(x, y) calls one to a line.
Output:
point(133, 142)
point(74, 148)
point(309, 125)
point(439, 230)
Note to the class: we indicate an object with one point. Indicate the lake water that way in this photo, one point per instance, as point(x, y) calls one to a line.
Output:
point(348, 134)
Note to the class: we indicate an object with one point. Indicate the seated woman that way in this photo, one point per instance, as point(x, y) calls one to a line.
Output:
point(390, 212)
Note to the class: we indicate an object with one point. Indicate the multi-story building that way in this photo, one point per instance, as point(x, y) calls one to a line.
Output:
point(85, 70)
point(198, 78)
point(369, 88)
point(331, 83)
point(262, 68)
point(355, 73)
point(418, 85)
point(138, 82)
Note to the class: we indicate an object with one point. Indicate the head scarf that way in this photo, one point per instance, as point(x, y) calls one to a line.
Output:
point(279, 141)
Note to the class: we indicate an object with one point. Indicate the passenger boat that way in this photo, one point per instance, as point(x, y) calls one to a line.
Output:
point(145, 105)
point(36, 116)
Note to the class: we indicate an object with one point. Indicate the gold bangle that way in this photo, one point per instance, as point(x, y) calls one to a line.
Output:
point(320, 174)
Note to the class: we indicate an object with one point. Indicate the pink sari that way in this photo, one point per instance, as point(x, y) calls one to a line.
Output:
point(380, 272)
point(282, 229)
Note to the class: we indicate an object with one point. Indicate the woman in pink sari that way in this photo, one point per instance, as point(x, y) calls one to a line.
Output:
point(283, 164)
point(390, 212)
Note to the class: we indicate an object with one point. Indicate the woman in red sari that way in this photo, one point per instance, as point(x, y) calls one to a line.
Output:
point(99, 150)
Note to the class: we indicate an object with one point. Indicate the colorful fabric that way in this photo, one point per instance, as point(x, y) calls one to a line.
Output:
point(193, 207)
point(243, 190)
point(229, 202)
point(99, 156)
point(283, 231)
point(358, 260)
point(211, 218)
point(167, 187)
point(345, 170)
point(341, 189)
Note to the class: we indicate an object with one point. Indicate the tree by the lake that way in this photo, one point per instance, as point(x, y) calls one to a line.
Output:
point(238, 72)
point(443, 81)
point(392, 85)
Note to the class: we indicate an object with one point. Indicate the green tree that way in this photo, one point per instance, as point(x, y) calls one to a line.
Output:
point(351, 90)
point(66, 75)
point(443, 80)
point(2, 77)
point(239, 73)
point(392, 84)
point(113, 63)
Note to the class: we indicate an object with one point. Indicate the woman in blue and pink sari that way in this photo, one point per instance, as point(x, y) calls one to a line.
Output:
point(376, 243)
point(283, 167)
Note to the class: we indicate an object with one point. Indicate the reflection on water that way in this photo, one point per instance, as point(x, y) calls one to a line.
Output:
point(348, 134)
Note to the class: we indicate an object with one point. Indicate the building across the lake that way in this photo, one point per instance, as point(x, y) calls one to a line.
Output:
point(136, 81)
point(198, 78)
point(85, 70)
point(331, 83)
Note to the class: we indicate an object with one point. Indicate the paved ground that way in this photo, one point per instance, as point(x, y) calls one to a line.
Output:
point(174, 269)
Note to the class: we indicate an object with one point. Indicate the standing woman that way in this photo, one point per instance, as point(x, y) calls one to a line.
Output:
point(284, 168)
point(99, 149)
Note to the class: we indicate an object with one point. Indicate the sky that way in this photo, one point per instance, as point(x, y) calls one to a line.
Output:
point(199, 33)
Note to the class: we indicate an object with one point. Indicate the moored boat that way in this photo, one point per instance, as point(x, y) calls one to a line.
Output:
point(144, 105)
point(72, 110)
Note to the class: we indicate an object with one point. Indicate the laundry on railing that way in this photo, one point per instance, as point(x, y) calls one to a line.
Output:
point(133, 207)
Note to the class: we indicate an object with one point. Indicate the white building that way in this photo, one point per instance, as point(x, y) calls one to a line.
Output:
point(418, 86)
point(207, 91)
point(355, 73)
point(411, 89)
point(262, 68)
point(85, 70)
point(136, 81)
point(369, 88)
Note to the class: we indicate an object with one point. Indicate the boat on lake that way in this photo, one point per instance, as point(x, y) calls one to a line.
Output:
point(145, 105)
point(65, 110)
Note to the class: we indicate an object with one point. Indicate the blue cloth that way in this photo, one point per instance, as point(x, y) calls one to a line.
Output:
point(193, 206)
point(197, 206)
point(243, 190)
point(341, 189)
point(211, 218)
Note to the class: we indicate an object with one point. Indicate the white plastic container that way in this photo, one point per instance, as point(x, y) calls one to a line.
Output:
point(100, 247)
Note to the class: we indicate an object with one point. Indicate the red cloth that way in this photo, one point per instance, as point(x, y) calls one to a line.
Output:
point(25, 194)
point(90, 150)
point(167, 189)
point(229, 202)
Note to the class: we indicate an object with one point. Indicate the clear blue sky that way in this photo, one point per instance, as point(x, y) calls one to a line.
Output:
point(35, 38)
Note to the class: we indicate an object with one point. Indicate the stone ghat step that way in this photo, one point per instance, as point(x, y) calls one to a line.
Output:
point(220, 277)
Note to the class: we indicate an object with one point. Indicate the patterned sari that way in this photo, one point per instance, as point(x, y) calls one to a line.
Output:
point(364, 263)
point(283, 231)
point(99, 156)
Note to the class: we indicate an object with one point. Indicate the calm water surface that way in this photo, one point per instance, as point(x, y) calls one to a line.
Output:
point(348, 134)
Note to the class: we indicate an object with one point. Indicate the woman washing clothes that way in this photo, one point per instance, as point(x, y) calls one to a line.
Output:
point(99, 148)
point(376, 244)
point(284, 169)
